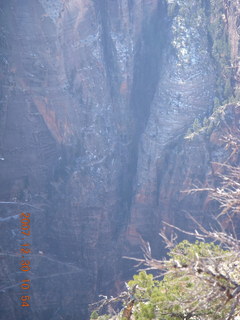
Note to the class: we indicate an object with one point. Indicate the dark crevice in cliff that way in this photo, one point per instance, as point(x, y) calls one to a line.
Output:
point(107, 45)
point(151, 44)
point(147, 66)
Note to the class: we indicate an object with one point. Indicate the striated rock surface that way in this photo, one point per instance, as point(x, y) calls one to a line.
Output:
point(184, 91)
point(96, 97)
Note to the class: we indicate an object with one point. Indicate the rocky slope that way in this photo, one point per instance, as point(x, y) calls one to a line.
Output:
point(96, 99)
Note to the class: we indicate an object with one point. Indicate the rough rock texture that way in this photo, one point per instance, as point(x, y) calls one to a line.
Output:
point(184, 91)
point(96, 98)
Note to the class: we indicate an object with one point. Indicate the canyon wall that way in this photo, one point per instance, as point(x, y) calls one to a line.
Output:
point(96, 98)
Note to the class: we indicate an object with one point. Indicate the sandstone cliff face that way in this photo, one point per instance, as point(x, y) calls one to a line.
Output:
point(96, 99)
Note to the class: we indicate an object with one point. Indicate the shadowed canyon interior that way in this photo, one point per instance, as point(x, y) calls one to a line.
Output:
point(96, 99)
